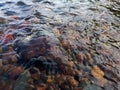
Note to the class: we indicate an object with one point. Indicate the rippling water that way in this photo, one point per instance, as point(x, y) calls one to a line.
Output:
point(46, 34)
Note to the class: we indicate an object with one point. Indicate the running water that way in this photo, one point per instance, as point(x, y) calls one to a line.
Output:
point(59, 45)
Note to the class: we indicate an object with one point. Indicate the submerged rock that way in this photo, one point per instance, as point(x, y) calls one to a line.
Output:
point(3, 20)
point(92, 87)
point(21, 82)
point(10, 13)
point(21, 3)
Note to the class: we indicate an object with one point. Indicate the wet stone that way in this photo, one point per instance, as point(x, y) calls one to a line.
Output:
point(21, 3)
point(3, 20)
point(37, 0)
point(22, 80)
point(91, 87)
point(9, 13)
point(48, 2)
point(9, 2)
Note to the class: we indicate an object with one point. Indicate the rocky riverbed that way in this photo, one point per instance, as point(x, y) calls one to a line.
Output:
point(60, 45)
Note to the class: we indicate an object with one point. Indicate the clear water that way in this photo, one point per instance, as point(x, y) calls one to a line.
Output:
point(89, 26)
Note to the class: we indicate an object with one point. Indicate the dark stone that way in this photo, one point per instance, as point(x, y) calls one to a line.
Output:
point(9, 2)
point(20, 3)
point(77, 77)
point(9, 13)
point(48, 2)
point(37, 0)
point(2, 4)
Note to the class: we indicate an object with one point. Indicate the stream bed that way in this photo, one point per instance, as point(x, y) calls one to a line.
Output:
point(59, 45)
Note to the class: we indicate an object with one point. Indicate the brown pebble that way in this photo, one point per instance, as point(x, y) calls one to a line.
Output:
point(65, 43)
point(14, 59)
point(3, 20)
point(41, 87)
point(72, 81)
point(1, 50)
point(1, 64)
point(80, 57)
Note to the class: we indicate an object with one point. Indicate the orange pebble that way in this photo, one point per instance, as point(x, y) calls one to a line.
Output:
point(15, 17)
point(8, 37)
